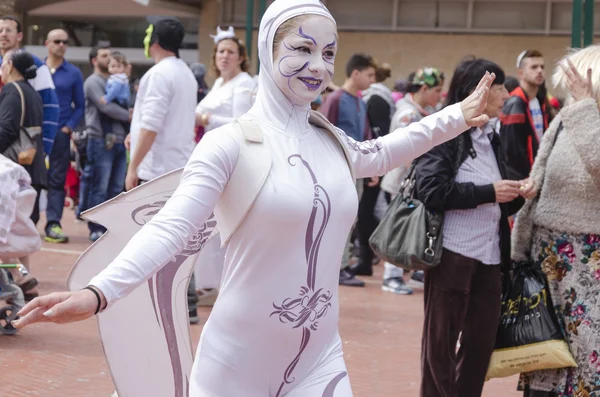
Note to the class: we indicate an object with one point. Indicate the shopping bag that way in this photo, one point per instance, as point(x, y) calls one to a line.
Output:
point(529, 337)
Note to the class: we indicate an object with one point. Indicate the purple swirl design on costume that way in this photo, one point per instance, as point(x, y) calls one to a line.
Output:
point(161, 286)
point(305, 308)
point(143, 214)
point(310, 305)
point(330, 389)
point(366, 147)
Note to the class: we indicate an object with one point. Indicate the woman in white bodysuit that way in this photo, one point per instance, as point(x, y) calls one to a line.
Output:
point(274, 328)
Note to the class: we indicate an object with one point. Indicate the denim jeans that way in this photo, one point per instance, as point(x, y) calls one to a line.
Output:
point(60, 158)
point(107, 171)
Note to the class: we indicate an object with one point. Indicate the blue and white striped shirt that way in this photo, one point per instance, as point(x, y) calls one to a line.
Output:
point(475, 233)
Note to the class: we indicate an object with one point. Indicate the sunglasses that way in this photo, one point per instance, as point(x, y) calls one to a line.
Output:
point(57, 42)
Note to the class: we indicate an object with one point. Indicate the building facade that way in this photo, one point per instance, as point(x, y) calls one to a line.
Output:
point(408, 34)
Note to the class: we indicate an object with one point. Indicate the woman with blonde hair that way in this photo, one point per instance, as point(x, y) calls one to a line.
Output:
point(560, 228)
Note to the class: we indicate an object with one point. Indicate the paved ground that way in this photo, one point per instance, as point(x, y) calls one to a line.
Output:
point(381, 334)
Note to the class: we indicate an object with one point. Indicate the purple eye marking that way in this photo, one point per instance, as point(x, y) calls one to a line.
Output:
point(305, 36)
point(289, 47)
point(332, 44)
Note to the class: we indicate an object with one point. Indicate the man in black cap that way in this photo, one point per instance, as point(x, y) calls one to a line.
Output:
point(162, 128)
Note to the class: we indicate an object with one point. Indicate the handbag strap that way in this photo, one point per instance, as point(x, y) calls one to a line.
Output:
point(22, 102)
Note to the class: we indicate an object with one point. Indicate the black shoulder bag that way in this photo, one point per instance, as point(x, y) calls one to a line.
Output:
point(409, 235)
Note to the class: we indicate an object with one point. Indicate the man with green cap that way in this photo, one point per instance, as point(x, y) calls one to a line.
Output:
point(163, 124)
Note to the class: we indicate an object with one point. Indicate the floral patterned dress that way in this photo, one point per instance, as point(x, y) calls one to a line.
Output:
point(572, 265)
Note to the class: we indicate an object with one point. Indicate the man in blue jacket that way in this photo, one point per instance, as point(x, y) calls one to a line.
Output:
point(68, 81)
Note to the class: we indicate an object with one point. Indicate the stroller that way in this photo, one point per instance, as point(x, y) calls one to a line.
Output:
point(12, 295)
point(18, 237)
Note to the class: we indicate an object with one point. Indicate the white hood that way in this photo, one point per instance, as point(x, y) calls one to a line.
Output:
point(271, 105)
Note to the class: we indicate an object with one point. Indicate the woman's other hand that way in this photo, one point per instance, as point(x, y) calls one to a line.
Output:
point(60, 308)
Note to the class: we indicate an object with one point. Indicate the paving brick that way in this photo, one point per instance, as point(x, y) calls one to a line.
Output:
point(381, 333)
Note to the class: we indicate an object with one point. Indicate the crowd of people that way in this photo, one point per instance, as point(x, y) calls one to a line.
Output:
point(514, 171)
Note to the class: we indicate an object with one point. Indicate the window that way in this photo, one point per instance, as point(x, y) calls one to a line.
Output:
point(510, 15)
point(488, 16)
point(453, 14)
point(417, 13)
point(375, 14)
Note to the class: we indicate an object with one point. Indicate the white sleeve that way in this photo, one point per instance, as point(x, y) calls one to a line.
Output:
point(155, 104)
point(202, 183)
point(379, 156)
point(242, 101)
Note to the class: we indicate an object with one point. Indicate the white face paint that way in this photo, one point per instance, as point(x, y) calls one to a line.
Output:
point(304, 64)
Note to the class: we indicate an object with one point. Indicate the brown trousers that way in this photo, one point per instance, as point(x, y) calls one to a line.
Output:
point(462, 295)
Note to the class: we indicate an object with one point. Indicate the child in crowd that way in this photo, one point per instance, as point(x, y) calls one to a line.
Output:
point(117, 91)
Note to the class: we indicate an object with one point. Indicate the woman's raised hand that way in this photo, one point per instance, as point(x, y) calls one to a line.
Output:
point(59, 307)
point(579, 87)
point(474, 105)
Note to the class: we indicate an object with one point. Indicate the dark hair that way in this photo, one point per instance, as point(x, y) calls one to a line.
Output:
point(359, 62)
point(466, 77)
point(245, 65)
point(528, 54)
point(119, 57)
point(96, 49)
point(24, 64)
point(14, 19)
point(511, 83)
point(383, 72)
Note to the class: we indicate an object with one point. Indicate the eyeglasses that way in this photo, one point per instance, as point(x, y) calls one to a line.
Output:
point(57, 42)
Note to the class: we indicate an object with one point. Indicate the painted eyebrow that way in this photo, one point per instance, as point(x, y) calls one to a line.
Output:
point(305, 36)
point(332, 44)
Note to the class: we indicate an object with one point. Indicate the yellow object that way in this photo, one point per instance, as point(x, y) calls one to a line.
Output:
point(515, 360)
point(147, 40)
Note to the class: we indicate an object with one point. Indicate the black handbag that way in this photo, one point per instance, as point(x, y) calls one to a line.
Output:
point(409, 235)
point(23, 150)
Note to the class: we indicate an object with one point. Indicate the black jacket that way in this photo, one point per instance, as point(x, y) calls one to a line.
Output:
point(10, 120)
point(519, 139)
point(437, 189)
point(379, 113)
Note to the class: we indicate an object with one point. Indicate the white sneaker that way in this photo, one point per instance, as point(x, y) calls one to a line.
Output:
point(397, 286)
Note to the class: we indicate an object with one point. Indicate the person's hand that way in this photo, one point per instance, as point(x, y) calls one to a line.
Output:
point(204, 119)
point(374, 181)
point(131, 180)
point(127, 142)
point(103, 101)
point(60, 308)
point(579, 87)
point(528, 189)
point(507, 191)
point(474, 105)
point(66, 130)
